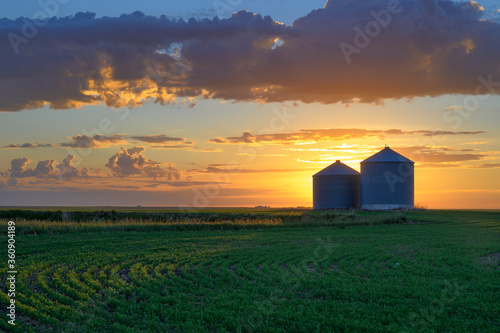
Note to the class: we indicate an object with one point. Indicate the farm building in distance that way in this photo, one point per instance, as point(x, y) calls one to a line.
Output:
point(386, 181)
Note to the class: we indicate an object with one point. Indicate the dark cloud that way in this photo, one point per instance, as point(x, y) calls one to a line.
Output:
point(157, 139)
point(190, 148)
point(442, 165)
point(19, 168)
point(10, 183)
point(189, 183)
point(102, 141)
point(68, 171)
point(429, 7)
point(48, 169)
point(128, 162)
point(225, 165)
point(132, 162)
point(173, 147)
point(28, 145)
point(428, 48)
point(124, 187)
point(426, 156)
point(166, 142)
point(488, 166)
point(96, 141)
point(121, 61)
point(218, 140)
point(237, 170)
point(430, 156)
point(439, 133)
point(316, 135)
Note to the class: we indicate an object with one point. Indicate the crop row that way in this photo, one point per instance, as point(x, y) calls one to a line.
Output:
point(411, 277)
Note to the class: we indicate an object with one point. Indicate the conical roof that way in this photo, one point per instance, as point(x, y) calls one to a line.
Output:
point(387, 155)
point(337, 169)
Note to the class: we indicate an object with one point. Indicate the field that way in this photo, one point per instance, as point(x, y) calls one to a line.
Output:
point(254, 271)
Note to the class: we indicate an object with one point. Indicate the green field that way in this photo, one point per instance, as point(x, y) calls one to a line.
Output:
point(254, 271)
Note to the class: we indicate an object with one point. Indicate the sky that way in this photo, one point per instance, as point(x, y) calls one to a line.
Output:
point(236, 103)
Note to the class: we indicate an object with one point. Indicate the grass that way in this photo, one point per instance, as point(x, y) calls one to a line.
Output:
point(280, 271)
point(55, 222)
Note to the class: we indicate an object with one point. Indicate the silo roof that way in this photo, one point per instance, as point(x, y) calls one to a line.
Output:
point(387, 155)
point(337, 169)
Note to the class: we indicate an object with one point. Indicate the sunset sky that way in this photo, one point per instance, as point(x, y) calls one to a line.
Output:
point(239, 102)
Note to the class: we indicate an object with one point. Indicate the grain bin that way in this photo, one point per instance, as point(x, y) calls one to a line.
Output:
point(387, 181)
point(336, 187)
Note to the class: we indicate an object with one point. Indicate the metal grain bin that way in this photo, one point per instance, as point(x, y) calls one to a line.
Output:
point(387, 181)
point(336, 187)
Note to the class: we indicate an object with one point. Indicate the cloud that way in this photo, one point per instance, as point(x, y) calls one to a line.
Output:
point(433, 155)
point(96, 141)
point(424, 156)
point(157, 139)
point(190, 148)
point(126, 163)
point(172, 143)
point(476, 143)
point(11, 182)
point(68, 171)
point(62, 188)
point(218, 140)
point(454, 108)
point(488, 166)
point(188, 183)
point(429, 48)
point(131, 162)
point(45, 172)
point(173, 147)
point(124, 187)
point(442, 165)
point(19, 168)
point(439, 133)
point(168, 142)
point(28, 145)
point(235, 169)
point(317, 135)
point(122, 61)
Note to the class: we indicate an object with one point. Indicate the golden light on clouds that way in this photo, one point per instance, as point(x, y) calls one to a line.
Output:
point(206, 92)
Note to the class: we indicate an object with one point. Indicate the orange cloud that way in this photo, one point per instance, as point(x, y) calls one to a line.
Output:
point(488, 166)
point(317, 135)
point(157, 139)
point(132, 162)
point(96, 141)
point(125, 62)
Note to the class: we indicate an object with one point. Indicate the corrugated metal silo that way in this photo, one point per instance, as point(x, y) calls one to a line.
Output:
point(336, 187)
point(387, 181)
